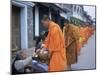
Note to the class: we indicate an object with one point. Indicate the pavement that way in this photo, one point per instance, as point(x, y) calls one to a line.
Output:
point(86, 60)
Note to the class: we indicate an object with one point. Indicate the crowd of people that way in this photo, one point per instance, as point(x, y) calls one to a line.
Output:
point(57, 48)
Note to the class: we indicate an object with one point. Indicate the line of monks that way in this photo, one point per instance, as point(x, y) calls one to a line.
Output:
point(64, 47)
point(75, 38)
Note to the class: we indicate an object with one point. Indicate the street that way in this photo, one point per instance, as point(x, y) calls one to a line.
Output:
point(86, 60)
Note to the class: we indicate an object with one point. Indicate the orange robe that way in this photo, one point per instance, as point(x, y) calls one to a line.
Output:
point(82, 35)
point(79, 44)
point(81, 39)
point(86, 34)
point(76, 31)
point(70, 36)
point(91, 30)
point(55, 43)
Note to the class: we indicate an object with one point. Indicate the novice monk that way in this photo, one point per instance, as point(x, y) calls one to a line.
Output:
point(55, 44)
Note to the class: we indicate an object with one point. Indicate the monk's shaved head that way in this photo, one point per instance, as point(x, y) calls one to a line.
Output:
point(45, 21)
point(45, 17)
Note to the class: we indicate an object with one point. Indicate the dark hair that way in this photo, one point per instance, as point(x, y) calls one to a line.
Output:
point(42, 36)
point(66, 21)
point(45, 17)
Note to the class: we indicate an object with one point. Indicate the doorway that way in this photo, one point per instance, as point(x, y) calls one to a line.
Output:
point(15, 28)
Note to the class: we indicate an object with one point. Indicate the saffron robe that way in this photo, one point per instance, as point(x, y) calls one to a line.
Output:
point(79, 39)
point(82, 36)
point(70, 44)
point(55, 44)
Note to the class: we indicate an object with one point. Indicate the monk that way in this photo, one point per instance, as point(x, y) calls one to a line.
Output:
point(83, 35)
point(86, 34)
point(86, 31)
point(76, 32)
point(70, 43)
point(90, 30)
point(55, 44)
point(80, 40)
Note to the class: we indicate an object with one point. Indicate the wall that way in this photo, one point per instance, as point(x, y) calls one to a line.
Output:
point(26, 23)
point(43, 10)
point(30, 25)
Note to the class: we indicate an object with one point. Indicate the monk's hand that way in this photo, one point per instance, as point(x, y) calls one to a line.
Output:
point(34, 53)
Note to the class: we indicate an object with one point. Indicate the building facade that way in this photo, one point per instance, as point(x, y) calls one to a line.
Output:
point(78, 11)
point(22, 25)
point(26, 20)
point(74, 13)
